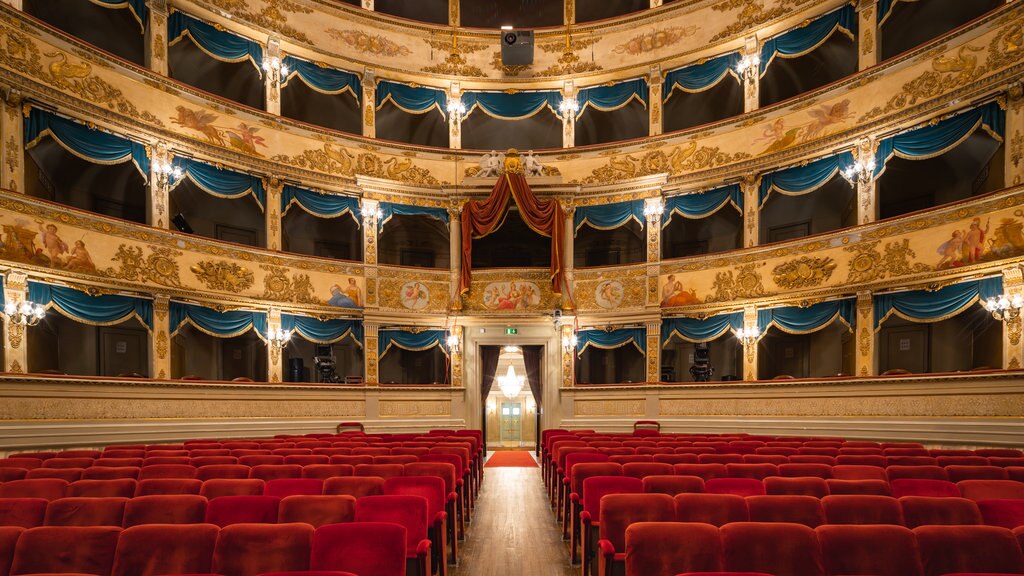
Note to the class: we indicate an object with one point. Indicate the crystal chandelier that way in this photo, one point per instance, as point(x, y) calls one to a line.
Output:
point(24, 313)
point(511, 384)
point(279, 338)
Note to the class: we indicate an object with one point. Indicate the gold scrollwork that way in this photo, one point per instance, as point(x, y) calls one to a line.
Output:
point(162, 345)
point(15, 367)
point(273, 15)
point(745, 283)
point(277, 286)
point(868, 264)
point(223, 276)
point(15, 333)
point(688, 157)
point(160, 267)
point(369, 44)
point(803, 272)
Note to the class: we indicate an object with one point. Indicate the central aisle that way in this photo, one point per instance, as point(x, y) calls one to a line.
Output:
point(514, 530)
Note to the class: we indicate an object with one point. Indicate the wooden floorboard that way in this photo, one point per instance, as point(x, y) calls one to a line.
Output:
point(514, 531)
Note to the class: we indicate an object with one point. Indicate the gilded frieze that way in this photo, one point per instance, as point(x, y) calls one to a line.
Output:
point(159, 267)
point(609, 290)
point(282, 286)
point(270, 14)
point(655, 40)
point(685, 158)
point(805, 272)
point(223, 276)
point(406, 408)
point(617, 407)
point(510, 292)
point(365, 43)
point(407, 290)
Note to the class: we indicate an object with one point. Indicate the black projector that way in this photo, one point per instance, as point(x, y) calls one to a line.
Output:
point(516, 47)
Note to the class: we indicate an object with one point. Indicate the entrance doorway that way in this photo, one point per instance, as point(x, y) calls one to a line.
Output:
point(510, 411)
point(511, 423)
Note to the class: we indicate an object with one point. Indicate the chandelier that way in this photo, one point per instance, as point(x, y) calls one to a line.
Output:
point(24, 313)
point(511, 384)
point(279, 338)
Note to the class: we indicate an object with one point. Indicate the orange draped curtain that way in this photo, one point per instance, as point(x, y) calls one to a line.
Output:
point(479, 218)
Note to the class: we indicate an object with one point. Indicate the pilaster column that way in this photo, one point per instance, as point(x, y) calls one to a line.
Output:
point(275, 357)
point(569, 259)
point(654, 96)
point(456, 357)
point(750, 349)
point(455, 254)
point(868, 31)
point(867, 210)
point(454, 16)
point(12, 152)
point(568, 355)
point(369, 210)
point(273, 186)
point(652, 229)
point(272, 77)
point(1014, 164)
point(370, 352)
point(569, 15)
point(160, 340)
point(159, 185)
point(751, 76)
point(156, 36)
point(367, 4)
point(866, 363)
point(654, 351)
point(15, 285)
point(568, 118)
point(1013, 351)
point(454, 119)
point(369, 100)
point(751, 210)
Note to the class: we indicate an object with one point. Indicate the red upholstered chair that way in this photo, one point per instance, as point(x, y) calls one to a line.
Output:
point(66, 474)
point(410, 512)
point(153, 452)
point(877, 550)
point(205, 452)
point(873, 487)
point(927, 511)
point(22, 512)
point(858, 472)
point(230, 471)
point(8, 540)
point(1016, 473)
point(720, 458)
point(252, 549)
point(26, 463)
point(714, 509)
point(357, 486)
point(156, 460)
point(755, 471)
point(117, 462)
point(773, 459)
point(119, 488)
point(642, 470)
point(38, 455)
point(8, 474)
point(979, 549)
point(446, 472)
point(259, 459)
point(228, 510)
point(573, 503)
point(812, 459)
point(737, 486)
point(353, 460)
point(673, 485)
point(85, 512)
point(218, 487)
point(156, 549)
point(618, 512)
point(804, 510)
point(409, 451)
point(962, 460)
point(862, 509)
point(167, 471)
point(676, 458)
point(923, 487)
point(804, 486)
point(65, 549)
point(45, 488)
point(371, 451)
point(267, 472)
point(180, 509)
point(68, 463)
point(566, 486)
point(1005, 513)
point(379, 470)
point(991, 489)
point(366, 549)
point(594, 489)
point(916, 472)
point(668, 548)
point(200, 461)
point(999, 452)
point(395, 459)
point(165, 486)
point(110, 473)
point(775, 548)
point(307, 459)
point(805, 470)
point(294, 487)
point(705, 471)
point(317, 510)
point(325, 471)
point(291, 451)
point(630, 458)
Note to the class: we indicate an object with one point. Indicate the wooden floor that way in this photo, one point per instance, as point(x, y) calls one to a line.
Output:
point(513, 531)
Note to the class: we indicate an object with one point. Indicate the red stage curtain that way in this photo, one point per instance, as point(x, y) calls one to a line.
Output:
point(479, 218)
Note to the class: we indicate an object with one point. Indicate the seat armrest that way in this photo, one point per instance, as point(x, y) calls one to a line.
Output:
point(423, 547)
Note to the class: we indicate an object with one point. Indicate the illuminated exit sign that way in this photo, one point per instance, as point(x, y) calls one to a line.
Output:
point(511, 331)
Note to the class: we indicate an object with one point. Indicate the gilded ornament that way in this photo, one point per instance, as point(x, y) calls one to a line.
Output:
point(1017, 148)
point(746, 282)
point(15, 333)
point(803, 272)
point(393, 169)
point(162, 344)
point(369, 44)
point(864, 341)
point(279, 287)
point(752, 15)
point(557, 46)
point(15, 367)
point(1013, 365)
point(655, 40)
point(687, 157)
point(569, 63)
point(160, 267)
point(507, 70)
point(159, 47)
point(455, 64)
point(273, 15)
point(223, 276)
point(330, 159)
point(868, 264)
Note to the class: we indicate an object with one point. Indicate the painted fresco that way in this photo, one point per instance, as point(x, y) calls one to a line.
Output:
point(404, 290)
point(609, 289)
point(510, 292)
point(511, 295)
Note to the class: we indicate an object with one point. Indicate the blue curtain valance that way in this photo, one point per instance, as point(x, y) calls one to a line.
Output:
point(389, 209)
point(696, 330)
point(795, 320)
point(220, 324)
point(925, 306)
point(614, 339)
point(419, 100)
point(800, 41)
point(104, 310)
point(511, 106)
point(320, 205)
point(700, 77)
point(415, 341)
point(138, 9)
point(934, 140)
point(885, 9)
point(609, 216)
point(86, 143)
point(609, 98)
point(219, 181)
point(323, 331)
point(803, 179)
point(218, 44)
point(703, 204)
point(321, 78)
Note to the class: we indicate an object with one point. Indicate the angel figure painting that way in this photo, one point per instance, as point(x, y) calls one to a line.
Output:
point(414, 295)
point(511, 295)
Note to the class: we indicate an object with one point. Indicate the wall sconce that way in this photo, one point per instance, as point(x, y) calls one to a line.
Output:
point(748, 66)
point(492, 406)
point(569, 343)
point(1004, 308)
point(748, 336)
point(279, 338)
point(24, 313)
point(456, 108)
point(453, 343)
point(860, 172)
point(568, 107)
point(165, 171)
point(371, 215)
point(275, 67)
point(654, 207)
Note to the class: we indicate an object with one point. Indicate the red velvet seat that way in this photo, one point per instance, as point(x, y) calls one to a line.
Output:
point(594, 489)
point(218, 487)
point(291, 451)
point(267, 472)
point(775, 548)
point(110, 473)
point(958, 473)
point(630, 458)
point(230, 471)
point(1016, 473)
point(410, 512)
point(668, 548)
point(253, 549)
point(294, 487)
point(85, 512)
point(446, 472)
point(720, 458)
point(676, 458)
point(714, 509)
point(927, 511)
point(325, 471)
point(228, 510)
point(1005, 462)
point(876, 550)
point(916, 472)
point(874, 487)
point(167, 471)
point(618, 512)
point(366, 549)
point(200, 461)
point(805, 470)
point(317, 510)
point(66, 474)
point(802, 486)
point(642, 470)
point(307, 459)
point(737, 486)
point(22, 512)
point(395, 459)
point(371, 451)
point(673, 485)
point(755, 471)
point(862, 509)
point(166, 453)
point(952, 549)
point(259, 459)
point(45, 488)
point(572, 503)
point(26, 463)
point(8, 540)
point(351, 460)
point(166, 486)
point(765, 459)
point(859, 472)
point(961, 460)
point(157, 460)
point(119, 488)
point(203, 452)
point(804, 510)
point(65, 549)
point(158, 549)
point(705, 471)
point(433, 489)
point(175, 509)
point(379, 470)
point(8, 474)
point(999, 452)
point(1005, 513)
point(991, 489)
point(357, 486)
point(923, 487)
point(68, 463)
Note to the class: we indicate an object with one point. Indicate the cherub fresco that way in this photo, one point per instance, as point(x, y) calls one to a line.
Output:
point(609, 294)
point(414, 295)
point(242, 138)
point(823, 117)
point(511, 295)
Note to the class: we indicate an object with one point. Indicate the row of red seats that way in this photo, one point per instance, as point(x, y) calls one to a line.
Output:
point(670, 548)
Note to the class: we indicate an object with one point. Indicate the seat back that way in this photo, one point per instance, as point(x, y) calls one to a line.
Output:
point(618, 511)
point(167, 471)
point(153, 550)
point(357, 486)
point(919, 472)
point(217, 487)
point(584, 470)
point(991, 489)
point(923, 487)
point(873, 487)
point(228, 510)
point(597, 487)
point(110, 473)
point(672, 485)
point(22, 512)
point(805, 470)
point(294, 487)
point(430, 487)
point(85, 512)
point(878, 550)
point(804, 486)
point(231, 471)
point(164, 486)
point(167, 509)
point(952, 549)
point(251, 549)
point(45, 488)
point(804, 510)
point(407, 511)
point(705, 471)
point(859, 472)
point(325, 471)
point(267, 472)
point(366, 549)
point(773, 548)
point(443, 470)
point(929, 511)
point(670, 548)
point(379, 470)
point(862, 509)
point(317, 510)
point(66, 549)
point(117, 488)
point(714, 509)
point(737, 486)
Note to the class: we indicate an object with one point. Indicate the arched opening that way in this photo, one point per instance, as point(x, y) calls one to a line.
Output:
point(834, 59)
point(237, 81)
point(909, 24)
point(624, 364)
point(195, 353)
point(301, 367)
point(726, 354)
point(718, 232)
point(684, 110)
point(512, 245)
point(498, 13)
point(831, 207)
point(428, 129)
point(481, 131)
point(597, 127)
point(117, 30)
point(336, 111)
point(625, 244)
point(339, 238)
point(591, 10)
point(783, 354)
point(401, 366)
point(59, 344)
point(238, 220)
point(418, 241)
point(432, 11)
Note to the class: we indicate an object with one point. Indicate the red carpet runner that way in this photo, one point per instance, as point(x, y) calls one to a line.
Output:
point(511, 459)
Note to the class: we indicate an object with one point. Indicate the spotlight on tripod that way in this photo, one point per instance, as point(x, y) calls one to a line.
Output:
point(326, 365)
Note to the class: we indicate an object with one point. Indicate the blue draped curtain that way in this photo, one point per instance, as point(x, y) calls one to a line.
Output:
point(104, 310)
point(614, 339)
point(86, 143)
point(415, 341)
point(323, 331)
point(219, 181)
point(703, 204)
point(389, 209)
point(697, 330)
point(220, 324)
point(319, 205)
point(218, 44)
point(700, 77)
point(934, 140)
point(411, 100)
point(321, 78)
point(609, 98)
point(925, 306)
point(795, 320)
point(137, 7)
point(511, 106)
point(885, 8)
point(800, 41)
point(803, 179)
point(609, 216)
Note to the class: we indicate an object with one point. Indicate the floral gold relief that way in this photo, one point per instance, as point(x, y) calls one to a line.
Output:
point(803, 272)
point(618, 407)
point(655, 40)
point(15, 333)
point(279, 287)
point(162, 345)
point(368, 43)
point(160, 267)
point(223, 276)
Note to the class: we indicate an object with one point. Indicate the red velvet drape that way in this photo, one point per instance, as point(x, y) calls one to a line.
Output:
point(543, 216)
